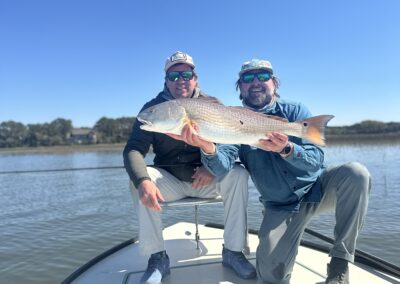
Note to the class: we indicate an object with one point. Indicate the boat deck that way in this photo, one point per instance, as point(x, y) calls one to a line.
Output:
point(189, 265)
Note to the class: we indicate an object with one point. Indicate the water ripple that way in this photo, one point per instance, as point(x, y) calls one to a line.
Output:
point(51, 223)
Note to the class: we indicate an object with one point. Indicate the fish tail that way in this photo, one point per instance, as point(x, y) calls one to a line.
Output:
point(314, 128)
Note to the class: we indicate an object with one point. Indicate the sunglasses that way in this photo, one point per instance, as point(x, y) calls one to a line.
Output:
point(261, 76)
point(173, 76)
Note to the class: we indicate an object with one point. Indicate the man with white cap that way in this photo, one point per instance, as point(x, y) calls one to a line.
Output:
point(294, 184)
point(178, 172)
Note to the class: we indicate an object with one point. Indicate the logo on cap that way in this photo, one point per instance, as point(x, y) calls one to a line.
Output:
point(178, 57)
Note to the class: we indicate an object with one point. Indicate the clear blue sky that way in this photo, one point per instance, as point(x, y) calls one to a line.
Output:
point(84, 59)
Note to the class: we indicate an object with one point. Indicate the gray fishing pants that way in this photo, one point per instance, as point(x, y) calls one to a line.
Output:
point(233, 188)
point(345, 191)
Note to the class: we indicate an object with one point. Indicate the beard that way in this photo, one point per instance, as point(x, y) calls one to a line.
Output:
point(258, 97)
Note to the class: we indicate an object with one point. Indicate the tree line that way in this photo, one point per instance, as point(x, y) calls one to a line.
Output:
point(61, 131)
point(108, 130)
point(365, 127)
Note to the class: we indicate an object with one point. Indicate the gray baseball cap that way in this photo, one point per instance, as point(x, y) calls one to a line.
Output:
point(256, 64)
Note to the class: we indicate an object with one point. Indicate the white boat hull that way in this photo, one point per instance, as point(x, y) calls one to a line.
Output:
point(189, 265)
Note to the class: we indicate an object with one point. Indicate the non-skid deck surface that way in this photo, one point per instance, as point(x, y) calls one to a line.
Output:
point(189, 265)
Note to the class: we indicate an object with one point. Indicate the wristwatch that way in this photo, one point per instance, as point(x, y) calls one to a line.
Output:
point(286, 150)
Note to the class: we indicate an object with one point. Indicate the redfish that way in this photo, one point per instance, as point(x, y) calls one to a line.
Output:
point(226, 124)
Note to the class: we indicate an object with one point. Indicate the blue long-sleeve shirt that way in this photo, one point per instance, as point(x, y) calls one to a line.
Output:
point(283, 183)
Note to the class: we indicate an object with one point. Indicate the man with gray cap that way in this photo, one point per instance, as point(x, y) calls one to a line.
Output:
point(178, 172)
point(294, 184)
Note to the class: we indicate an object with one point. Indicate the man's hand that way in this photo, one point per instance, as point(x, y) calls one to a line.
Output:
point(202, 177)
point(190, 136)
point(150, 195)
point(274, 142)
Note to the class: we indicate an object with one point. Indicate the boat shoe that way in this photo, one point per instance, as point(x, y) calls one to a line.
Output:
point(239, 263)
point(157, 268)
point(338, 272)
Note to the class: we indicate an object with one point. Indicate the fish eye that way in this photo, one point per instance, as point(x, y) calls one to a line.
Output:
point(305, 124)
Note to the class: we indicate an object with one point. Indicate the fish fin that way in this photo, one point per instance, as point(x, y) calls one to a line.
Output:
point(187, 121)
point(314, 127)
point(191, 122)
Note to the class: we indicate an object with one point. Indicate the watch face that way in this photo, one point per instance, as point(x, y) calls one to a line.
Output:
point(287, 149)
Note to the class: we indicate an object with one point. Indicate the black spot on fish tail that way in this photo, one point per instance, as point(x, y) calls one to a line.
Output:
point(241, 122)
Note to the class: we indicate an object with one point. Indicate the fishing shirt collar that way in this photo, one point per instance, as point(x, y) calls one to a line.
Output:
point(166, 94)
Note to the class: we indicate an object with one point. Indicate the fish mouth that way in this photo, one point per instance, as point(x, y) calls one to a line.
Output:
point(144, 122)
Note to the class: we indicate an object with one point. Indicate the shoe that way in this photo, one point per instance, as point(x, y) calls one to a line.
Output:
point(239, 263)
point(157, 268)
point(338, 272)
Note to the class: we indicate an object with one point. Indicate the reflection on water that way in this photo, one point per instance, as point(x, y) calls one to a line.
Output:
point(51, 223)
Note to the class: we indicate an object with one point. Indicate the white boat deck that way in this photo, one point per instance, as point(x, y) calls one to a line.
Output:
point(189, 265)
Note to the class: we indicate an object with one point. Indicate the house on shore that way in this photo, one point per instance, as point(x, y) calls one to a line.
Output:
point(82, 136)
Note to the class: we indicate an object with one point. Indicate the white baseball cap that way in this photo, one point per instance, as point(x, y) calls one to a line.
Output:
point(178, 57)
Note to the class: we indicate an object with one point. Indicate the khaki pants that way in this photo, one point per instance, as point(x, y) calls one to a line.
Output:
point(233, 188)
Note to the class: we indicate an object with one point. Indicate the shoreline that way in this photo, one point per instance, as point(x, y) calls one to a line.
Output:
point(64, 148)
point(330, 140)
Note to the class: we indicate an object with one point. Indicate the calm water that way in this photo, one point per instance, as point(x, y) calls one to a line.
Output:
point(51, 223)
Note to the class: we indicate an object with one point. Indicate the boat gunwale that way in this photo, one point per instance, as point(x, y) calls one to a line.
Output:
point(82, 269)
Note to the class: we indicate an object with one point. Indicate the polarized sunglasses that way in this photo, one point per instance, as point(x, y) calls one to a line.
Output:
point(185, 75)
point(262, 76)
